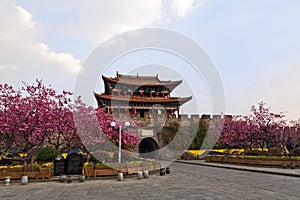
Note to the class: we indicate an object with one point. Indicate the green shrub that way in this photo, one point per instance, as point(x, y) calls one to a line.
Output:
point(47, 154)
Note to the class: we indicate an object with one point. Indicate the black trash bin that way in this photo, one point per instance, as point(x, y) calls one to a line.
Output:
point(59, 165)
point(74, 162)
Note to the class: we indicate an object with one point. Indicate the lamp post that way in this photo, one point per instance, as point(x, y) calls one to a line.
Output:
point(113, 124)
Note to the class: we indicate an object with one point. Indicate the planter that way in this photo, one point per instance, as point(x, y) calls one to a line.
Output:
point(151, 167)
point(44, 173)
point(89, 171)
point(31, 172)
point(295, 162)
point(104, 171)
point(251, 161)
point(14, 173)
point(275, 162)
point(115, 168)
point(134, 168)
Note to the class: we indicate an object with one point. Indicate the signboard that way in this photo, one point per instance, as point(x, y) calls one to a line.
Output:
point(147, 133)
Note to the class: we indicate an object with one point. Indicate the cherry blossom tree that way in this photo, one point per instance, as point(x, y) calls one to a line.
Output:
point(268, 123)
point(9, 103)
point(286, 135)
point(34, 117)
point(96, 132)
point(240, 132)
point(38, 116)
point(262, 128)
point(64, 134)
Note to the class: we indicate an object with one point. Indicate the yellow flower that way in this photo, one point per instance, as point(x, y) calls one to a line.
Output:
point(64, 155)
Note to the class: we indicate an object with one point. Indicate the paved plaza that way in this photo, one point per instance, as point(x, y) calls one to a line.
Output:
point(185, 182)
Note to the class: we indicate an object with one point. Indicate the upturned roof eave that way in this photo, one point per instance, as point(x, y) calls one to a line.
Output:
point(160, 83)
point(143, 99)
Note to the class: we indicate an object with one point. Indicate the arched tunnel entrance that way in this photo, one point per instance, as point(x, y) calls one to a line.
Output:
point(146, 146)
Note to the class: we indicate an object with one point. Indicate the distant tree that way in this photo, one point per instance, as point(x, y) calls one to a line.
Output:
point(262, 128)
point(240, 132)
point(268, 123)
point(200, 135)
point(286, 136)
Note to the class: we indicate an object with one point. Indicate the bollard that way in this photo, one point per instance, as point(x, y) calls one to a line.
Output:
point(120, 176)
point(62, 178)
point(293, 167)
point(168, 171)
point(81, 178)
point(162, 171)
point(139, 175)
point(69, 179)
point(24, 180)
point(146, 174)
point(284, 166)
point(7, 180)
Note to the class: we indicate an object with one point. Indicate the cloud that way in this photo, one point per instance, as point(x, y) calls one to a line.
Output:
point(27, 45)
point(23, 56)
point(99, 20)
point(183, 7)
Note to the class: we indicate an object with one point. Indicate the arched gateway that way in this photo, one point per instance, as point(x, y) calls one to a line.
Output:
point(144, 99)
point(147, 146)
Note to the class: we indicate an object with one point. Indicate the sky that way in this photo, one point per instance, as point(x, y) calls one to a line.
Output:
point(254, 45)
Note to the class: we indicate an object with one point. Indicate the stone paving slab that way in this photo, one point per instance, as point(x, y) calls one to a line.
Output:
point(186, 182)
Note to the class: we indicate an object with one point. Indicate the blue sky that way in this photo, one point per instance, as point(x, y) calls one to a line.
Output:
point(254, 44)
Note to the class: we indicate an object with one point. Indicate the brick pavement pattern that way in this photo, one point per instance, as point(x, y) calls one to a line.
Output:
point(185, 182)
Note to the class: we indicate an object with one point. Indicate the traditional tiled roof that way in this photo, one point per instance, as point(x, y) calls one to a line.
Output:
point(143, 99)
point(141, 80)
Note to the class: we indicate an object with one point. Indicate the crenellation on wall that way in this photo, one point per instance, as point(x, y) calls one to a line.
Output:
point(163, 124)
point(183, 117)
point(217, 116)
point(205, 116)
point(195, 117)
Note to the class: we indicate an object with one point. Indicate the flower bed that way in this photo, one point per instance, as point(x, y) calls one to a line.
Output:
point(15, 172)
point(255, 160)
point(115, 168)
point(32, 171)
point(89, 170)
